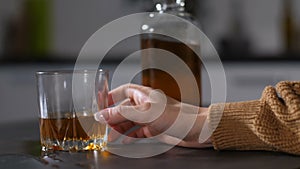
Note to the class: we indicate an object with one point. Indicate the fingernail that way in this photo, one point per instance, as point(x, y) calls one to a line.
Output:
point(144, 99)
point(109, 139)
point(102, 116)
point(99, 117)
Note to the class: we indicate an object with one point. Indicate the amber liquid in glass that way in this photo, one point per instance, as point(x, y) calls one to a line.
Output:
point(72, 133)
point(158, 79)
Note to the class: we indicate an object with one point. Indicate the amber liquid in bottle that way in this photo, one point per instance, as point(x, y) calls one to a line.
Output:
point(158, 79)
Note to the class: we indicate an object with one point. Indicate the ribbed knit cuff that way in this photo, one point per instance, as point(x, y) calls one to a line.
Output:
point(234, 128)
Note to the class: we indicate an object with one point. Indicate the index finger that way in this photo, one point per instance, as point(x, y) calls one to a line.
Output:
point(132, 91)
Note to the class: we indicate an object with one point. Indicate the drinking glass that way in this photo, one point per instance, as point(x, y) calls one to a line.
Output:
point(68, 100)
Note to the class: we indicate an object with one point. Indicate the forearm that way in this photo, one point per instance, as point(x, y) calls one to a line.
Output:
point(271, 123)
point(197, 126)
point(188, 124)
point(197, 121)
point(232, 125)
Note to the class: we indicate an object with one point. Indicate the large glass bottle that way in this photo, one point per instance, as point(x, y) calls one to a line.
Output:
point(159, 79)
point(289, 27)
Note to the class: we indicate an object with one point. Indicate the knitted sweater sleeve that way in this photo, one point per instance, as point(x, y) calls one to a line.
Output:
point(270, 123)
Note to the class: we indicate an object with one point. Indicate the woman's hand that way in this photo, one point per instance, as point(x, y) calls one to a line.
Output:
point(154, 114)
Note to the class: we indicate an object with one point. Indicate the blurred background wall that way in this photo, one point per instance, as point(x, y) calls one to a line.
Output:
point(237, 28)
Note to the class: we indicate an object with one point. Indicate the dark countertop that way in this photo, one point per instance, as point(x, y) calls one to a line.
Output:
point(19, 148)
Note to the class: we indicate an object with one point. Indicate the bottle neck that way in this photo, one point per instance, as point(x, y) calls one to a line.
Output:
point(170, 5)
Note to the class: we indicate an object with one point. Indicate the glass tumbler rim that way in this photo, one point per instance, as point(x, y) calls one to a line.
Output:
point(69, 71)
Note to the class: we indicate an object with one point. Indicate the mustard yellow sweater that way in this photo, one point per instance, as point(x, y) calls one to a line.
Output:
point(270, 123)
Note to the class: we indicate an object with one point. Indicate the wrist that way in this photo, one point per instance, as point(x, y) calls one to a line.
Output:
point(195, 131)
